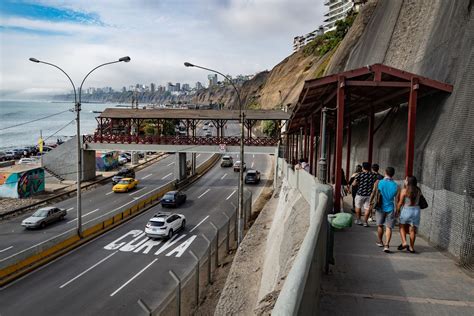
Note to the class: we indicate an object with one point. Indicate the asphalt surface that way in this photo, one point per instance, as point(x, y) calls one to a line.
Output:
point(97, 204)
point(109, 274)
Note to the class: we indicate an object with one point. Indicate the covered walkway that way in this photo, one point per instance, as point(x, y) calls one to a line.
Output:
point(366, 281)
point(328, 106)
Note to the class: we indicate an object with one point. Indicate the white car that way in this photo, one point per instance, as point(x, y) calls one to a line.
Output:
point(164, 225)
point(27, 161)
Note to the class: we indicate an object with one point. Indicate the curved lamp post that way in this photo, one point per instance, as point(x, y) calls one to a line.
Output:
point(241, 171)
point(77, 107)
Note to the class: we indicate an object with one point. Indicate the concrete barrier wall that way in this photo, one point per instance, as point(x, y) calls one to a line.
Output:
point(300, 292)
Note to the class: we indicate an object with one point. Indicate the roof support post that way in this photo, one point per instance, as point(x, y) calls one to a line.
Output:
point(370, 146)
point(311, 145)
point(297, 143)
point(339, 143)
point(322, 164)
point(305, 139)
point(329, 157)
point(410, 149)
point(348, 151)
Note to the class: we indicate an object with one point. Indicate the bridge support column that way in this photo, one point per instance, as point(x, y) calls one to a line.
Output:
point(134, 158)
point(180, 166)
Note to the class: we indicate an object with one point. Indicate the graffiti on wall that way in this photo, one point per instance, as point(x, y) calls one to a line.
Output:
point(21, 184)
point(106, 161)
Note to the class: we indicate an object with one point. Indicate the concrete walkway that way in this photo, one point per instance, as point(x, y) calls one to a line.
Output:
point(367, 281)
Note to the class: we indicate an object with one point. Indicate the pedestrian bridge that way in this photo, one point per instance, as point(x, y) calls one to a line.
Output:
point(125, 129)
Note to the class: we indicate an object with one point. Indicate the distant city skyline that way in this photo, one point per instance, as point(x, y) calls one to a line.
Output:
point(232, 36)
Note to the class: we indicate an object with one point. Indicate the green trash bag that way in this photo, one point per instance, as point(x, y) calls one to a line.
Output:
point(341, 220)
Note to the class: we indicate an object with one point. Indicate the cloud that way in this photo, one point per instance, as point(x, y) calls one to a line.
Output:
point(235, 37)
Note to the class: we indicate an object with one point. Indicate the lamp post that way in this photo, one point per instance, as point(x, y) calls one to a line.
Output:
point(77, 108)
point(240, 210)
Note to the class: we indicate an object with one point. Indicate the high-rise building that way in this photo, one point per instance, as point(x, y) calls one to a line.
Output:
point(212, 79)
point(169, 87)
point(338, 10)
point(198, 86)
point(124, 89)
point(186, 87)
point(152, 87)
point(177, 86)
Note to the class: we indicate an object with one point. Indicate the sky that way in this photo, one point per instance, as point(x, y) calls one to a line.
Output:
point(232, 36)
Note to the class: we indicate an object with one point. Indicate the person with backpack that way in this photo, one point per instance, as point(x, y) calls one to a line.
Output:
point(409, 205)
point(353, 185)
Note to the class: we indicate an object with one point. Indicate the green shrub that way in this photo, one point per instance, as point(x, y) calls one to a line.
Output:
point(269, 128)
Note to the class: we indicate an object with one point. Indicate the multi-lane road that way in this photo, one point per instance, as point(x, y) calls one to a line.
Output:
point(97, 205)
point(109, 274)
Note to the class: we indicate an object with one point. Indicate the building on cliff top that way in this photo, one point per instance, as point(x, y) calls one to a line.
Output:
point(338, 10)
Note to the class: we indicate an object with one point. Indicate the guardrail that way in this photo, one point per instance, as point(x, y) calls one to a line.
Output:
point(15, 266)
point(300, 292)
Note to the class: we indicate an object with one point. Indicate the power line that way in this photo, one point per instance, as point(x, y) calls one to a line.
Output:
point(70, 122)
point(35, 120)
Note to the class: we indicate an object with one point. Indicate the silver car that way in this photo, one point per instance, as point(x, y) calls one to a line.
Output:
point(43, 217)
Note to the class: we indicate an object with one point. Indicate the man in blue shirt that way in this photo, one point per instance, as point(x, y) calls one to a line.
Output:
point(385, 213)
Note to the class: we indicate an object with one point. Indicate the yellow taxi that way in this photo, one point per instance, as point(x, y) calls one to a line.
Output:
point(125, 185)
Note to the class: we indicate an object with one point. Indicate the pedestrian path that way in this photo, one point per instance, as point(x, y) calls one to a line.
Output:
point(367, 281)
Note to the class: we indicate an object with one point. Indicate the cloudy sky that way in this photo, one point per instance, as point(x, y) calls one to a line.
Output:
point(233, 36)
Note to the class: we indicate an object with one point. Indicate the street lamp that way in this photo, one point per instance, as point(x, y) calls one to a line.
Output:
point(77, 104)
point(241, 170)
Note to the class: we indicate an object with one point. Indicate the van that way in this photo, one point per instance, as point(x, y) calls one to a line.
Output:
point(227, 161)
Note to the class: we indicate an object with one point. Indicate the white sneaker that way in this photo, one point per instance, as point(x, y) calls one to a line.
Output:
point(358, 222)
point(370, 220)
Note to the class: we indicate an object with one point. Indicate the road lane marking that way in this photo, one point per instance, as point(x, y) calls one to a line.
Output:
point(252, 164)
point(135, 276)
point(69, 209)
point(139, 197)
point(199, 223)
point(230, 195)
point(6, 249)
point(198, 156)
point(87, 270)
point(253, 156)
point(169, 174)
point(135, 192)
point(204, 193)
point(109, 193)
point(148, 175)
point(225, 175)
point(84, 215)
point(172, 163)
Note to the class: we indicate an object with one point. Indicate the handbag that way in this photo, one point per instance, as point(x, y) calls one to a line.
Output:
point(422, 203)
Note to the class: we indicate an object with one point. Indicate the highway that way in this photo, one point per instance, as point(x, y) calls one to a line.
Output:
point(96, 205)
point(109, 274)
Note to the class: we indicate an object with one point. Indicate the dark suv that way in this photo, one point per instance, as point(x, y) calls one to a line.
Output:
point(173, 199)
point(124, 173)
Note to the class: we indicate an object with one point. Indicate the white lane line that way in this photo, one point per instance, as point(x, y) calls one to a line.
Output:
point(169, 174)
point(231, 194)
point(69, 209)
point(225, 175)
point(172, 163)
point(204, 193)
point(148, 175)
point(135, 192)
point(84, 215)
point(109, 193)
point(253, 156)
point(87, 270)
point(198, 155)
point(199, 223)
point(252, 164)
point(6, 249)
point(136, 275)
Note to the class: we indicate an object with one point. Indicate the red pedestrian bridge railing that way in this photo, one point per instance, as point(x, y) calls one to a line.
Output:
point(179, 140)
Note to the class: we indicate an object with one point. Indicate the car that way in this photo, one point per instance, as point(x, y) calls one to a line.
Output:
point(125, 185)
point(173, 198)
point(12, 155)
point(27, 161)
point(122, 160)
point(205, 128)
point(237, 166)
point(123, 173)
point(208, 134)
point(3, 156)
point(164, 224)
point(43, 217)
point(227, 161)
point(252, 176)
point(210, 125)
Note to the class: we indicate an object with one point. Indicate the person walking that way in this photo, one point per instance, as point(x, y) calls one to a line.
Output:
point(365, 184)
point(353, 185)
point(375, 169)
point(409, 203)
point(383, 199)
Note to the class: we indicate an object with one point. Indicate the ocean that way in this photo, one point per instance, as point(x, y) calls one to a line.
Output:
point(18, 112)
